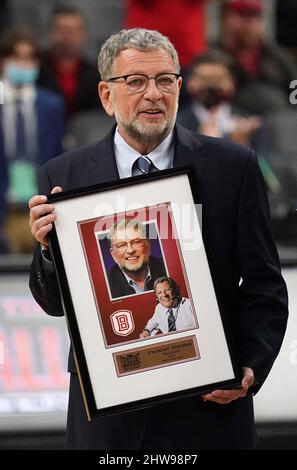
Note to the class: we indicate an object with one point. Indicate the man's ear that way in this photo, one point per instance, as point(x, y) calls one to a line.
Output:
point(104, 94)
point(179, 83)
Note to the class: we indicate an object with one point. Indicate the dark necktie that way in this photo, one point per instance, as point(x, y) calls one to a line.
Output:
point(143, 165)
point(20, 147)
point(171, 320)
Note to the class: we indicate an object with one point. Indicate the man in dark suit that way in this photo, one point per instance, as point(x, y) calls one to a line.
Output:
point(140, 86)
point(136, 269)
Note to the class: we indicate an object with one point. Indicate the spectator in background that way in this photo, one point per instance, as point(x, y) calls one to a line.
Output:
point(64, 69)
point(211, 84)
point(264, 70)
point(31, 131)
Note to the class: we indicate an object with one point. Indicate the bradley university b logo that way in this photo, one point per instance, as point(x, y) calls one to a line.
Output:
point(122, 322)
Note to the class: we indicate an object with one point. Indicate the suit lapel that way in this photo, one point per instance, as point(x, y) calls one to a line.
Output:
point(100, 170)
point(188, 151)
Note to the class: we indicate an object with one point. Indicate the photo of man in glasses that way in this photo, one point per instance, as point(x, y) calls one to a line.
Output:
point(135, 269)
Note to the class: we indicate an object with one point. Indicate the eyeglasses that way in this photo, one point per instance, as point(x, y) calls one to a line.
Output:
point(138, 83)
point(122, 246)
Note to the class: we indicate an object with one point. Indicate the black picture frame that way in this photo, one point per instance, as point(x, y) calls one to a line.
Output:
point(121, 374)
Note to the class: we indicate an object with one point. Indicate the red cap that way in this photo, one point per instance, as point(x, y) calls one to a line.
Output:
point(245, 5)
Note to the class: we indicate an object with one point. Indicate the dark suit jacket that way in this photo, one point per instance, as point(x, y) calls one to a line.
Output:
point(119, 285)
point(236, 233)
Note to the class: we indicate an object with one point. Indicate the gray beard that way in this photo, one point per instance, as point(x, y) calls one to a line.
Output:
point(143, 268)
point(141, 135)
point(152, 140)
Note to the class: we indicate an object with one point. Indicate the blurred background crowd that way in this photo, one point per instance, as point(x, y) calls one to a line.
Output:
point(239, 63)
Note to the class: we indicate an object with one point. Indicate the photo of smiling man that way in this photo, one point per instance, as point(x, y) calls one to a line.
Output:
point(172, 313)
point(135, 269)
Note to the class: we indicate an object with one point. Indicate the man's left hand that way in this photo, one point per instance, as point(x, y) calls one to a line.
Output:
point(226, 396)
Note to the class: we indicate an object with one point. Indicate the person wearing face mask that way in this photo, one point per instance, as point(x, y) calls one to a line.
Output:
point(31, 132)
point(211, 85)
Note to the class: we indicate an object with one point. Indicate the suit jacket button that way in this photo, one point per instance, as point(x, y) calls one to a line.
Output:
point(40, 279)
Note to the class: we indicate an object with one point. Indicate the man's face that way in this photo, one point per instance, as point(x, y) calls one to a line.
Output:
point(211, 75)
point(68, 33)
point(143, 115)
point(24, 56)
point(130, 250)
point(244, 29)
point(165, 295)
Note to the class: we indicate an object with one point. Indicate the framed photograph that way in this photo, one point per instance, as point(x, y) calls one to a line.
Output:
point(137, 292)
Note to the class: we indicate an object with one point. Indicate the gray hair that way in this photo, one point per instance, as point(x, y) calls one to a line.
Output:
point(127, 223)
point(136, 38)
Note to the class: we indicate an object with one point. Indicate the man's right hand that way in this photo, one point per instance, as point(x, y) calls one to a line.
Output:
point(42, 216)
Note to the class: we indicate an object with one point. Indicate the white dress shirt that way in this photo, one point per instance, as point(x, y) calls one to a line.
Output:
point(183, 314)
point(223, 116)
point(134, 285)
point(161, 156)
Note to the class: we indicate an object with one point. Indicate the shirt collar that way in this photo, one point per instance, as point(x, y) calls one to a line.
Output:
point(174, 309)
point(161, 156)
point(223, 116)
point(131, 282)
